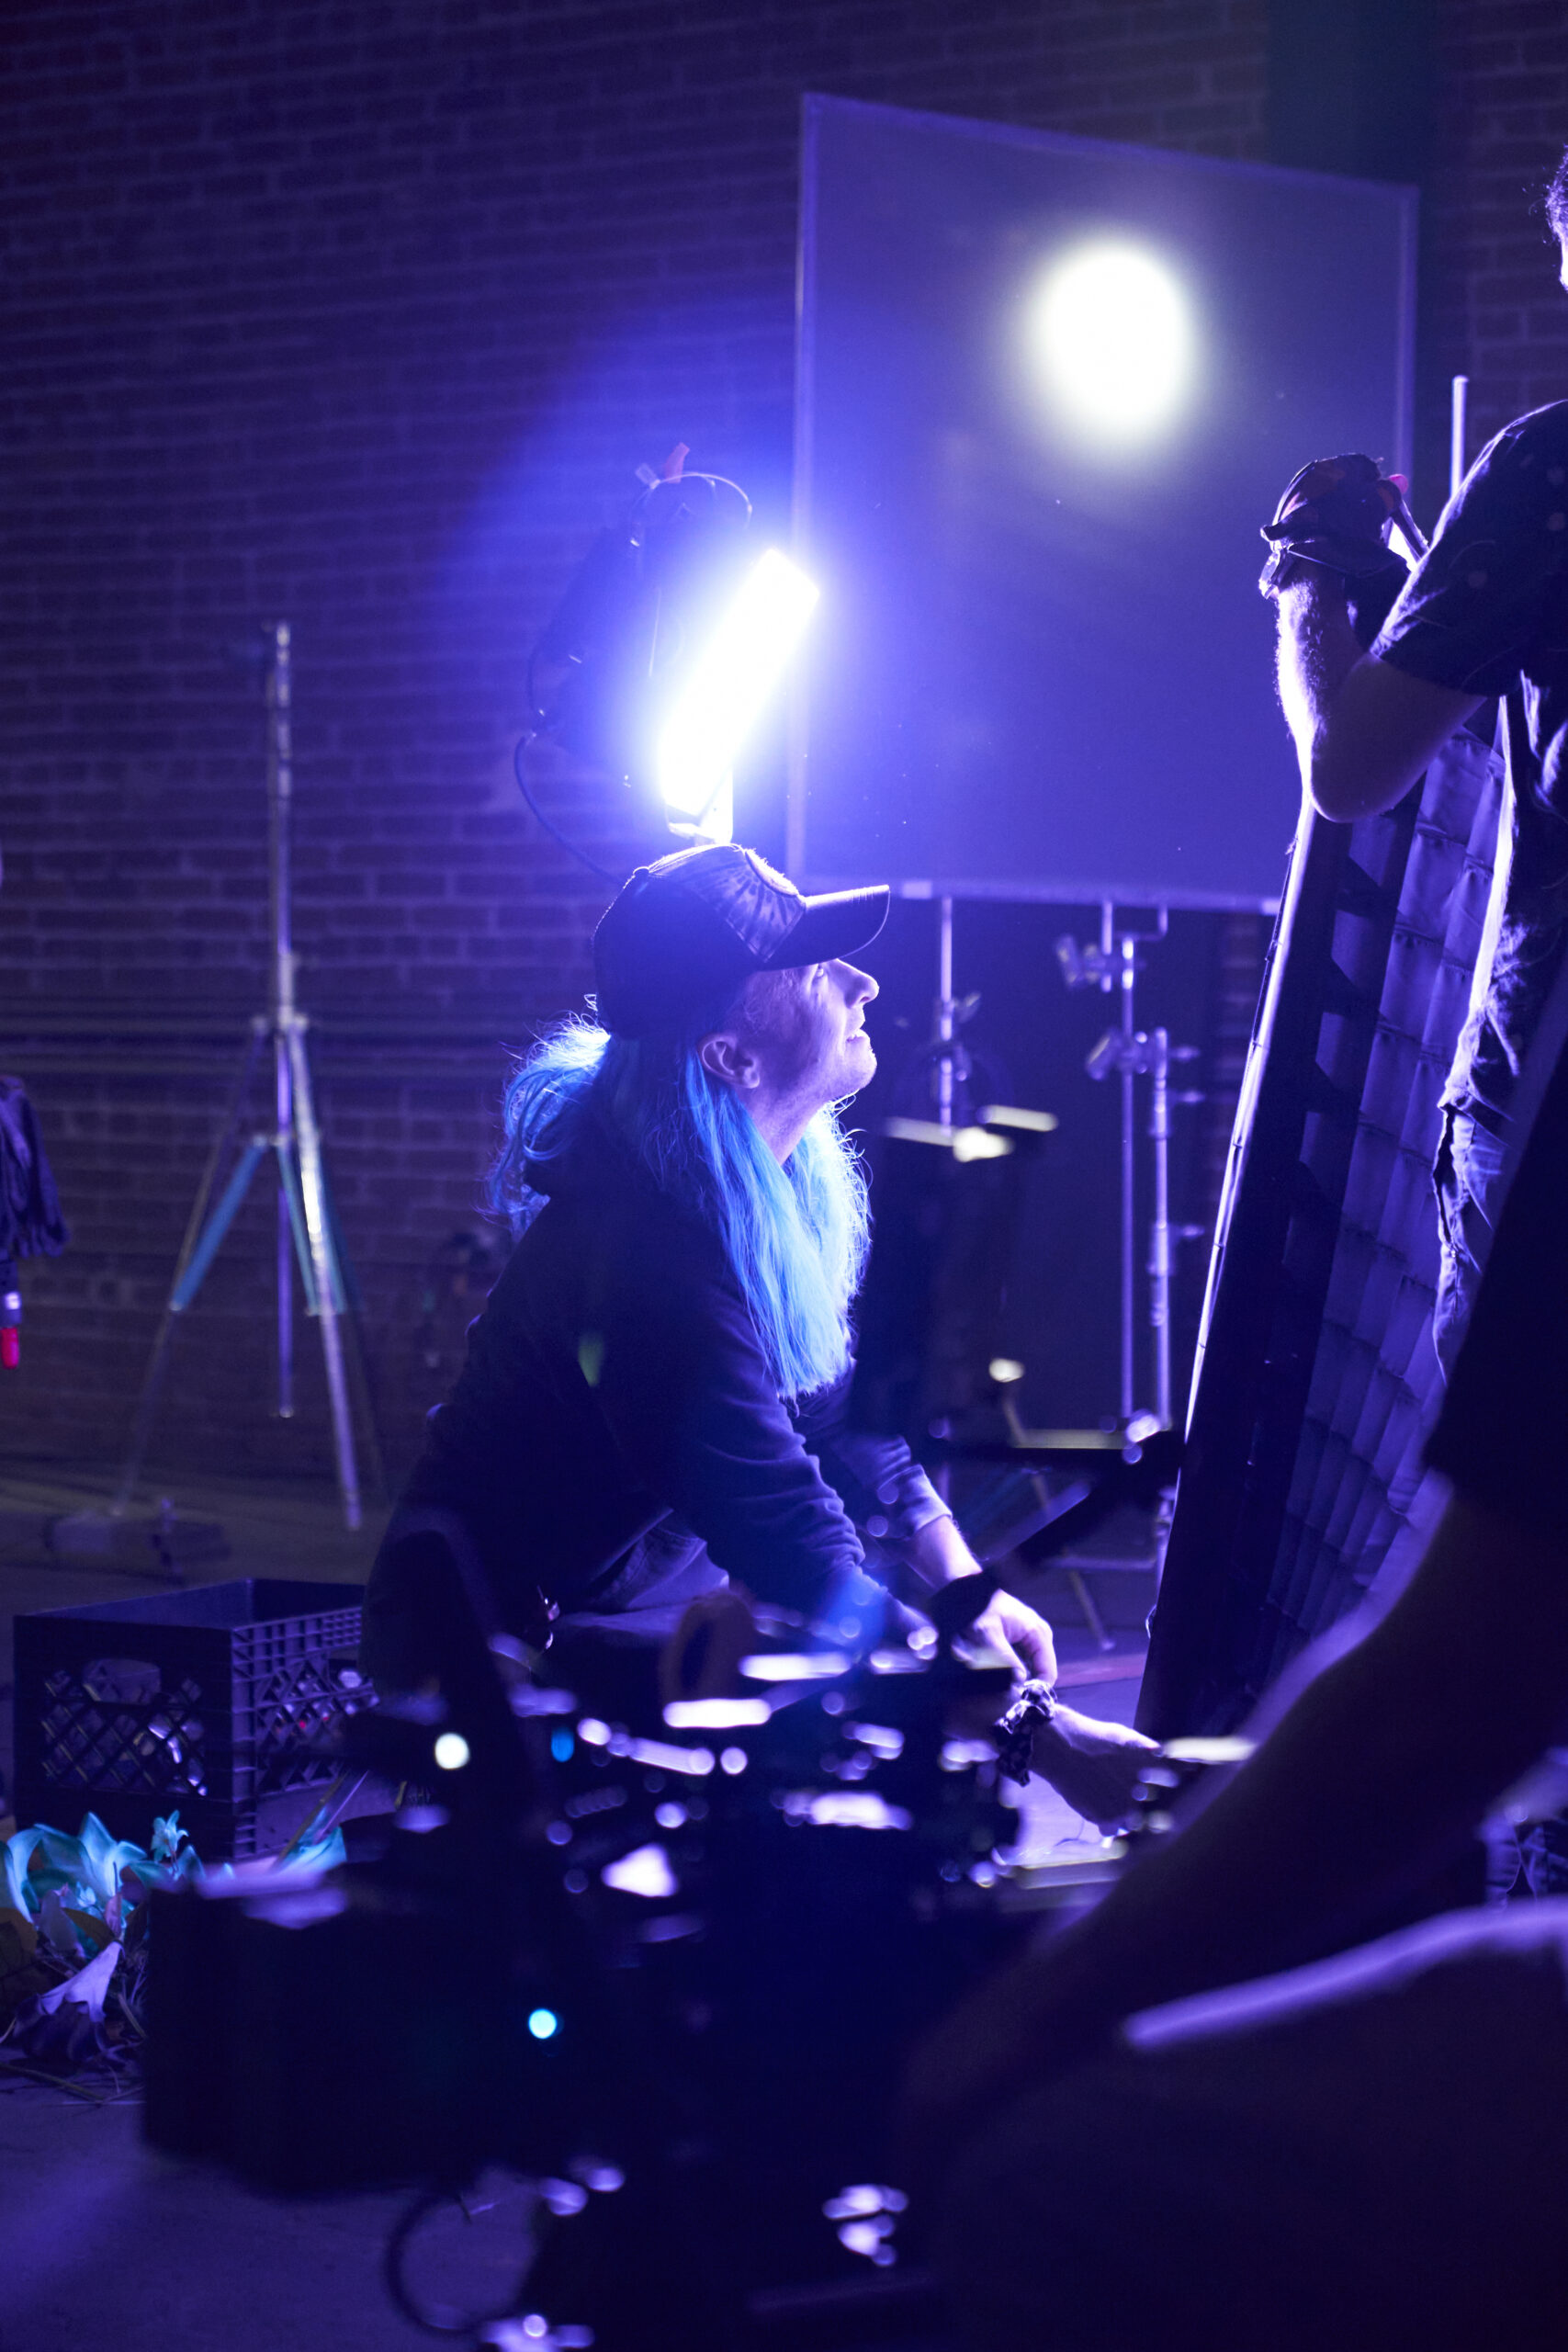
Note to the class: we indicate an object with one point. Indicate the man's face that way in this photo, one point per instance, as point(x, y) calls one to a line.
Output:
point(806, 1029)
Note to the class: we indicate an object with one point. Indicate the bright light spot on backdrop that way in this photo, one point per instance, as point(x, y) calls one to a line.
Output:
point(1112, 331)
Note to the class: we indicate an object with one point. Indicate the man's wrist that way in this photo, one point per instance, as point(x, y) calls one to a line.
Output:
point(1308, 591)
point(937, 1551)
point(1298, 572)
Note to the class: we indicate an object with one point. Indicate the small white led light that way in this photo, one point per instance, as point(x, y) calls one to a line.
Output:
point(451, 1751)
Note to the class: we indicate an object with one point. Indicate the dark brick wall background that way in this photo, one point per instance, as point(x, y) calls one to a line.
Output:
point(361, 312)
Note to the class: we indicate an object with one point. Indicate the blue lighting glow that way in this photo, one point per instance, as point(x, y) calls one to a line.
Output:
point(561, 1746)
point(543, 2023)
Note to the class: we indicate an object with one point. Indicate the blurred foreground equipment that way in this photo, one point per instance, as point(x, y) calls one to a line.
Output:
point(662, 1965)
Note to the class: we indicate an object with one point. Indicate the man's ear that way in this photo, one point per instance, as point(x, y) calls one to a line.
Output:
point(730, 1061)
point(724, 1057)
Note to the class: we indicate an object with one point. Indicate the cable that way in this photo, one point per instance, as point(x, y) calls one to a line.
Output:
point(519, 769)
point(437, 2318)
point(642, 507)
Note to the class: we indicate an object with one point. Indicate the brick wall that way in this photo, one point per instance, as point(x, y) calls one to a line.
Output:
point(1492, 309)
point(360, 311)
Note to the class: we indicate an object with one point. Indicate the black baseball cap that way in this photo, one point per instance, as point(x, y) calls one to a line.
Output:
point(694, 926)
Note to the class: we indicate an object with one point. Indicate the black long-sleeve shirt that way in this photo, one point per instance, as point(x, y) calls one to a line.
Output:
point(616, 1415)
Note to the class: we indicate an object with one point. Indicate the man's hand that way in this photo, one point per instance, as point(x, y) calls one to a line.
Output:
point(1096, 1765)
point(938, 1554)
point(1021, 1635)
point(1363, 731)
point(1334, 521)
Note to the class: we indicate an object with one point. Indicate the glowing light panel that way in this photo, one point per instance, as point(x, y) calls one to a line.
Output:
point(726, 692)
point(1113, 331)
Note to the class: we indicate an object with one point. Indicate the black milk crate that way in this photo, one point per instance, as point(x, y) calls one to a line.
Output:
point(204, 1702)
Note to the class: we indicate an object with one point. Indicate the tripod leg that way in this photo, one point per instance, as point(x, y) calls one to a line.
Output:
point(218, 1225)
point(146, 1412)
point(190, 1281)
point(185, 1290)
point(294, 1209)
point(1091, 1616)
point(283, 1258)
point(141, 1428)
point(286, 1212)
point(352, 1306)
point(308, 1142)
point(345, 1299)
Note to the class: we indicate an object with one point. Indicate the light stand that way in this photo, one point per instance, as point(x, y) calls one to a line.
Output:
point(306, 1227)
point(1113, 963)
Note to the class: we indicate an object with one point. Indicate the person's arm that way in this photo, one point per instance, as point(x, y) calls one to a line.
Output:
point(694, 1413)
point(938, 1554)
point(885, 1490)
point(1382, 1765)
point(1364, 731)
point(1366, 724)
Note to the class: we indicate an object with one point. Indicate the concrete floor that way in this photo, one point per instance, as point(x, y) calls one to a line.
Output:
point(104, 2241)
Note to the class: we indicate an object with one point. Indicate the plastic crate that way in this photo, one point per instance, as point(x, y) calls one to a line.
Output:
point(205, 1703)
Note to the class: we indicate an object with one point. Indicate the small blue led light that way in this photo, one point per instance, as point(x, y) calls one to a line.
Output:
point(541, 2023)
point(561, 1746)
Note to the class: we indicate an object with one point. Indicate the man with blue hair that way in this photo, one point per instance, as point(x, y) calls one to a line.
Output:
point(654, 1398)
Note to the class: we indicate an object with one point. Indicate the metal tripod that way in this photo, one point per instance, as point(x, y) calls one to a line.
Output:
point(307, 1232)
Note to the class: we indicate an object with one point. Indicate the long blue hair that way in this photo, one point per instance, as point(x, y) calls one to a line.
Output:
point(795, 1235)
